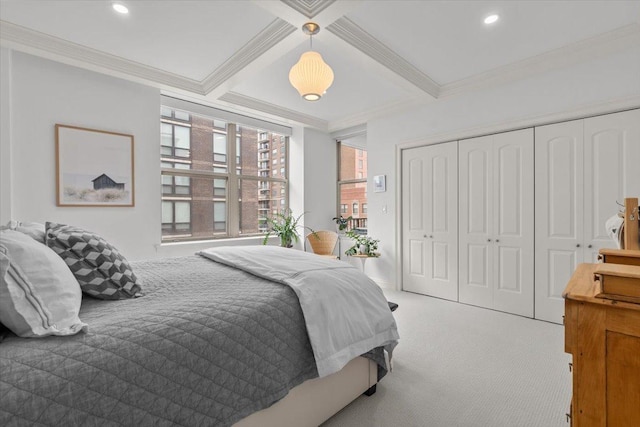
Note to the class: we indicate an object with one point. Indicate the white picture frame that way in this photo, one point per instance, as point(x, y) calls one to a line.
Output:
point(379, 183)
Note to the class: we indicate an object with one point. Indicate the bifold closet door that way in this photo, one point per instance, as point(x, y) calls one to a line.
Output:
point(496, 222)
point(583, 168)
point(559, 153)
point(430, 220)
point(612, 172)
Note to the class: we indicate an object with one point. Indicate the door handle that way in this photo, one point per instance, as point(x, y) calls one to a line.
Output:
point(488, 240)
point(590, 246)
point(497, 240)
point(578, 245)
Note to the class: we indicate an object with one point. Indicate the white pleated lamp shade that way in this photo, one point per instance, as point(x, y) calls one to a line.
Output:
point(311, 76)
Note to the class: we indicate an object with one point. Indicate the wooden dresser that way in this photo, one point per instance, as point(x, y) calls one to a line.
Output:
point(603, 336)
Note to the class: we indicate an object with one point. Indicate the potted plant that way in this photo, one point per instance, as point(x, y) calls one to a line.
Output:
point(363, 245)
point(342, 223)
point(285, 226)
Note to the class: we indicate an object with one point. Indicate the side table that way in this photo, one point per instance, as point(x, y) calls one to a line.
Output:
point(363, 258)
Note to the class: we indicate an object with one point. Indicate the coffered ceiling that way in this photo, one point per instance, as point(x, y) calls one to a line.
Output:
point(386, 55)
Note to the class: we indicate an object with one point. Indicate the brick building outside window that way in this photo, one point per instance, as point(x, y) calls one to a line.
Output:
point(204, 163)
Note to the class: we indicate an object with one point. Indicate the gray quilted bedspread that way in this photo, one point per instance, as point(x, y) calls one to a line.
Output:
point(206, 346)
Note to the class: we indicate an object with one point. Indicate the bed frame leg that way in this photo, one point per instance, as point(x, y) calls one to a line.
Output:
point(371, 390)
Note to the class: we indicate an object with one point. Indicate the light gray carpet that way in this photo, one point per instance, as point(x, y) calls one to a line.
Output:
point(458, 365)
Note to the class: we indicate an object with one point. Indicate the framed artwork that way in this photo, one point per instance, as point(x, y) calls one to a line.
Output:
point(379, 183)
point(93, 167)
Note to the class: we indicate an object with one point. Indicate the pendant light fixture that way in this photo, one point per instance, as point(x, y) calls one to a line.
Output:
point(311, 76)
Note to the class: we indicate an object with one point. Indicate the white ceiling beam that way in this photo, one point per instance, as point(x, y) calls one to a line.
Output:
point(309, 8)
point(34, 42)
point(234, 67)
point(254, 104)
point(351, 33)
point(295, 11)
point(277, 39)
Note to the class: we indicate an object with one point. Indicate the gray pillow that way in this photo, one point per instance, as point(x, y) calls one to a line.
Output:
point(98, 266)
point(38, 294)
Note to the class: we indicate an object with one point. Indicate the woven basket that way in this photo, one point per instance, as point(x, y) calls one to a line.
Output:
point(323, 242)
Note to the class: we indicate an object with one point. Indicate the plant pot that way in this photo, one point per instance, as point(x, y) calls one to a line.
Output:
point(286, 242)
point(363, 249)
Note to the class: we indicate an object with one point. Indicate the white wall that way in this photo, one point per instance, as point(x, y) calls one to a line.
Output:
point(44, 93)
point(320, 171)
point(38, 93)
point(590, 84)
point(5, 135)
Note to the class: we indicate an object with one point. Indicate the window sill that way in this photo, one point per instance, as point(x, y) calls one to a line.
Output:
point(215, 242)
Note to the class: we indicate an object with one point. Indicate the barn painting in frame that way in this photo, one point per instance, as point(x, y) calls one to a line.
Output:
point(93, 167)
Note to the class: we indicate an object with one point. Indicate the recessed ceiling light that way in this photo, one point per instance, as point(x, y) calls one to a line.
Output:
point(120, 8)
point(491, 19)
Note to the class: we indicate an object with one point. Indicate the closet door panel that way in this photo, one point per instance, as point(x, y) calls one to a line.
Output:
point(612, 171)
point(513, 235)
point(430, 220)
point(559, 154)
point(441, 218)
point(414, 228)
point(476, 205)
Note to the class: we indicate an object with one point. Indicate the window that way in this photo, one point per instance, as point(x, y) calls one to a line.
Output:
point(176, 217)
point(352, 186)
point(214, 185)
point(220, 149)
point(175, 140)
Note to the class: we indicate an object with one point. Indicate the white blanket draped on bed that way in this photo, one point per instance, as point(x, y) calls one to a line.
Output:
point(346, 312)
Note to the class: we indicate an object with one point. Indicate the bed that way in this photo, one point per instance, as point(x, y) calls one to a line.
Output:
point(207, 344)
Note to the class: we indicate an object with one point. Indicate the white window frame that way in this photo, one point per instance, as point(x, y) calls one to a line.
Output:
point(233, 176)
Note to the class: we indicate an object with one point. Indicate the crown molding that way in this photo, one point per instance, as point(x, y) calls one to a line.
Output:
point(601, 45)
point(591, 48)
point(266, 39)
point(351, 33)
point(18, 37)
point(387, 109)
point(580, 112)
point(351, 132)
point(308, 8)
point(265, 107)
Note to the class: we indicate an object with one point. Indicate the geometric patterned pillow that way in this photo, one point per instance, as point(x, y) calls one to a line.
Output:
point(99, 268)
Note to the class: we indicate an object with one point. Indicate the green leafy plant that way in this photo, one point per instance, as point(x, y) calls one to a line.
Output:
point(370, 244)
point(341, 222)
point(285, 226)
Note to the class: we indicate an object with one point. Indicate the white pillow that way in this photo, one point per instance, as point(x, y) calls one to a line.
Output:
point(39, 295)
point(32, 229)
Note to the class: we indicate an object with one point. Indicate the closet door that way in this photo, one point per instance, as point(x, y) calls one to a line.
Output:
point(476, 223)
point(513, 230)
point(430, 230)
point(559, 201)
point(496, 222)
point(612, 172)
